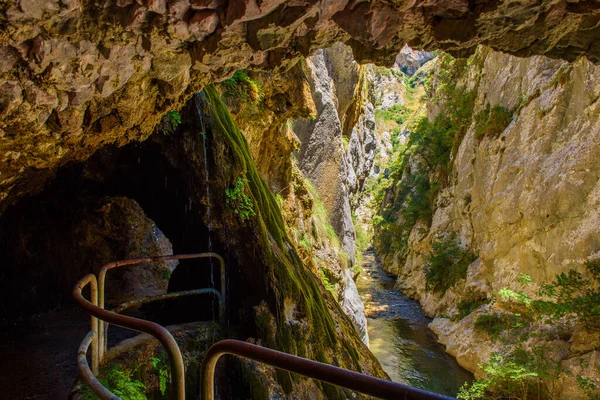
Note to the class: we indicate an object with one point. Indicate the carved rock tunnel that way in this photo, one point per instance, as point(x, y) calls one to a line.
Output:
point(128, 202)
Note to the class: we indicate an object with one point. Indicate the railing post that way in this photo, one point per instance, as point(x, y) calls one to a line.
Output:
point(91, 280)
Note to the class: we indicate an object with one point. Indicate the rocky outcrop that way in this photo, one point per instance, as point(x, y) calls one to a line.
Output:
point(78, 75)
point(524, 199)
point(409, 61)
point(321, 155)
point(336, 153)
point(265, 120)
point(48, 243)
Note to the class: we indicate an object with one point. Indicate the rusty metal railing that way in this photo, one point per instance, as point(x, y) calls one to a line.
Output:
point(324, 372)
point(97, 337)
point(103, 328)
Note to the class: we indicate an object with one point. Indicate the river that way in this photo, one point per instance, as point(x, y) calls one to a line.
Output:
point(400, 339)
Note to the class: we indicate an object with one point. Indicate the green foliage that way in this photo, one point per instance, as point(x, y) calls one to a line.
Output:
point(524, 279)
point(397, 113)
point(363, 238)
point(238, 200)
point(175, 118)
point(413, 200)
point(589, 387)
point(466, 307)
point(446, 264)
point(304, 241)
point(323, 225)
point(240, 87)
point(497, 324)
point(324, 275)
point(163, 373)
point(423, 165)
point(119, 383)
point(516, 374)
point(492, 121)
point(345, 143)
point(572, 295)
point(518, 296)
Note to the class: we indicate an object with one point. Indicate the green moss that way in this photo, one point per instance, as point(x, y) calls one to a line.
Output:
point(287, 276)
point(241, 88)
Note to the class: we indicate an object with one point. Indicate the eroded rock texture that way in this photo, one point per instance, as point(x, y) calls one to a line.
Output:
point(49, 242)
point(75, 75)
point(524, 201)
point(336, 154)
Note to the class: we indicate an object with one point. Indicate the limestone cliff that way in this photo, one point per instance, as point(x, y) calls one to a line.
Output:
point(336, 153)
point(76, 75)
point(519, 189)
point(324, 92)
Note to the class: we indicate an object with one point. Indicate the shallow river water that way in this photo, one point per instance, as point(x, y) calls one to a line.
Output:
point(405, 347)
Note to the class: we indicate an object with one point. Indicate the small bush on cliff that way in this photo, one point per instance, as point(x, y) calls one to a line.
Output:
point(572, 295)
point(497, 324)
point(492, 122)
point(239, 202)
point(466, 307)
point(241, 87)
point(517, 374)
point(446, 264)
point(397, 113)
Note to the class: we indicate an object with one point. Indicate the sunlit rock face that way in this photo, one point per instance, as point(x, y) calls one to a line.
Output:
point(77, 75)
point(409, 60)
point(525, 202)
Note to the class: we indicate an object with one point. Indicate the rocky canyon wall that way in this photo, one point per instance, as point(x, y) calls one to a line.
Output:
point(520, 193)
point(311, 132)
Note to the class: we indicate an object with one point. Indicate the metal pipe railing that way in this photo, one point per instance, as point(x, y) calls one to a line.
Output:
point(87, 375)
point(90, 279)
point(103, 328)
point(140, 325)
point(324, 372)
point(168, 296)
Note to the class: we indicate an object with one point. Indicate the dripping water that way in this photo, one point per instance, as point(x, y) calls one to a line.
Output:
point(198, 103)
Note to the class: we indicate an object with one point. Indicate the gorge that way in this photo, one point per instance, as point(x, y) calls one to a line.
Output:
point(260, 131)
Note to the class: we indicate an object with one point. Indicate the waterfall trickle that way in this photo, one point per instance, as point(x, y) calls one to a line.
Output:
point(199, 100)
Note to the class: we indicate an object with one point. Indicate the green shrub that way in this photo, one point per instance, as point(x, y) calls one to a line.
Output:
point(175, 118)
point(492, 122)
point(325, 277)
point(397, 113)
point(240, 87)
point(573, 296)
point(516, 374)
point(446, 264)
point(496, 324)
point(466, 307)
point(119, 383)
point(517, 296)
point(239, 202)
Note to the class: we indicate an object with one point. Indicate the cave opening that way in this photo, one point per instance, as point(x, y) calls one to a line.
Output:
point(48, 240)
point(121, 203)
